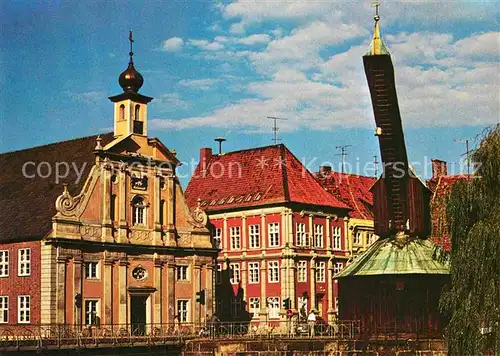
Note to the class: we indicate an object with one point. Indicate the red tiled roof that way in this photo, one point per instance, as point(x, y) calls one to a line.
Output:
point(254, 177)
point(440, 187)
point(27, 205)
point(352, 189)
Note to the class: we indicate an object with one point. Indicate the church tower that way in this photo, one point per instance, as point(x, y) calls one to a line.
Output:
point(131, 108)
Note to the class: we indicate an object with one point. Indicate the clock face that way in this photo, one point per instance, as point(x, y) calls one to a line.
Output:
point(139, 273)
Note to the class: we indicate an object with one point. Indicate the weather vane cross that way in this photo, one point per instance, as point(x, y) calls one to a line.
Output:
point(131, 39)
point(376, 5)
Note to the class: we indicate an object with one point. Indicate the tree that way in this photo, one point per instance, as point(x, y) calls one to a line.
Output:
point(473, 298)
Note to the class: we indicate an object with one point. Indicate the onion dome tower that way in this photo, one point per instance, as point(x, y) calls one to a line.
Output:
point(130, 107)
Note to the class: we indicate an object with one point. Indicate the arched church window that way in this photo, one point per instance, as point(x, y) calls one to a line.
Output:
point(122, 112)
point(138, 211)
point(137, 112)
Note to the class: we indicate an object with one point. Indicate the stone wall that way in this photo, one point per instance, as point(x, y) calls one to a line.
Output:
point(293, 347)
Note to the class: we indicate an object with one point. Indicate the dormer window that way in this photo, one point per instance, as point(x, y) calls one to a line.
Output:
point(122, 112)
point(138, 211)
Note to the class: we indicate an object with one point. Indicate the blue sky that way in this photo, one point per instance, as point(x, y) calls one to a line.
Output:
point(219, 68)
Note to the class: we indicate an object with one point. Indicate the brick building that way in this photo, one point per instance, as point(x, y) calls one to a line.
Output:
point(353, 190)
point(282, 235)
point(440, 185)
point(116, 243)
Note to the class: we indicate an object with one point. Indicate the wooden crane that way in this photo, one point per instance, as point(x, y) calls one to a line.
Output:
point(401, 200)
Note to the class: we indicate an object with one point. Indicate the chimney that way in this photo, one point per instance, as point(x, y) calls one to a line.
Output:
point(439, 168)
point(325, 170)
point(205, 154)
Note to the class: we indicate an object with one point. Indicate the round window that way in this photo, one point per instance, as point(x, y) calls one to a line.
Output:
point(139, 273)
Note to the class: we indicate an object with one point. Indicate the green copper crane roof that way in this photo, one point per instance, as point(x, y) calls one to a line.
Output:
point(397, 256)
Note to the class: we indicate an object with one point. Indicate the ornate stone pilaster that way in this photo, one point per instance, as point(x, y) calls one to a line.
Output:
point(312, 282)
point(347, 237)
point(157, 313)
point(244, 232)
point(244, 279)
point(196, 278)
point(209, 289)
point(123, 298)
point(122, 205)
point(225, 235)
point(171, 291)
point(328, 234)
point(312, 243)
point(263, 232)
point(107, 282)
point(156, 204)
point(107, 224)
point(285, 287)
point(171, 206)
point(61, 290)
point(331, 310)
point(263, 295)
point(77, 290)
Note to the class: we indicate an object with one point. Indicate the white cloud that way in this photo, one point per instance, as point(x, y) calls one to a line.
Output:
point(173, 44)
point(255, 39)
point(200, 84)
point(171, 102)
point(301, 48)
point(89, 97)
point(237, 28)
point(207, 45)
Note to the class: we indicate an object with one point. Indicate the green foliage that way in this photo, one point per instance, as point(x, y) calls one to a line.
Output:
point(473, 299)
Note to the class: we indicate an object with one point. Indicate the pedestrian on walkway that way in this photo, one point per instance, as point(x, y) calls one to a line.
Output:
point(311, 320)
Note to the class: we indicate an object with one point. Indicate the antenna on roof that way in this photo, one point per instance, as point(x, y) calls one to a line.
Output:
point(342, 154)
point(375, 163)
point(220, 140)
point(275, 128)
point(467, 151)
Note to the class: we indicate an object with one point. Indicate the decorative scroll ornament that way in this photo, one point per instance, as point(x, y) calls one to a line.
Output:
point(198, 217)
point(66, 204)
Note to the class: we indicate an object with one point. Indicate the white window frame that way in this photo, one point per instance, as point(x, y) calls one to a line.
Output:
point(4, 309)
point(217, 238)
point(182, 307)
point(89, 273)
point(182, 271)
point(23, 309)
point(319, 235)
point(235, 237)
point(301, 234)
point(254, 307)
point(302, 271)
point(357, 238)
point(4, 263)
point(320, 272)
point(253, 273)
point(139, 212)
point(218, 274)
point(302, 302)
point(92, 315)
point(273, 234)
point(337, 237)
point(254, 235)
point(273, 307)
point(337, 267)
point(24, 262)
point(235, 273)
point(273, 271)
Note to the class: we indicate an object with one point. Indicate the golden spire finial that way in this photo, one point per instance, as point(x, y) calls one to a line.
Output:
point(377, 47)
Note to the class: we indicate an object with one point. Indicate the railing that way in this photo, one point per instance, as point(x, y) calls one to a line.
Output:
point(47, 336)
